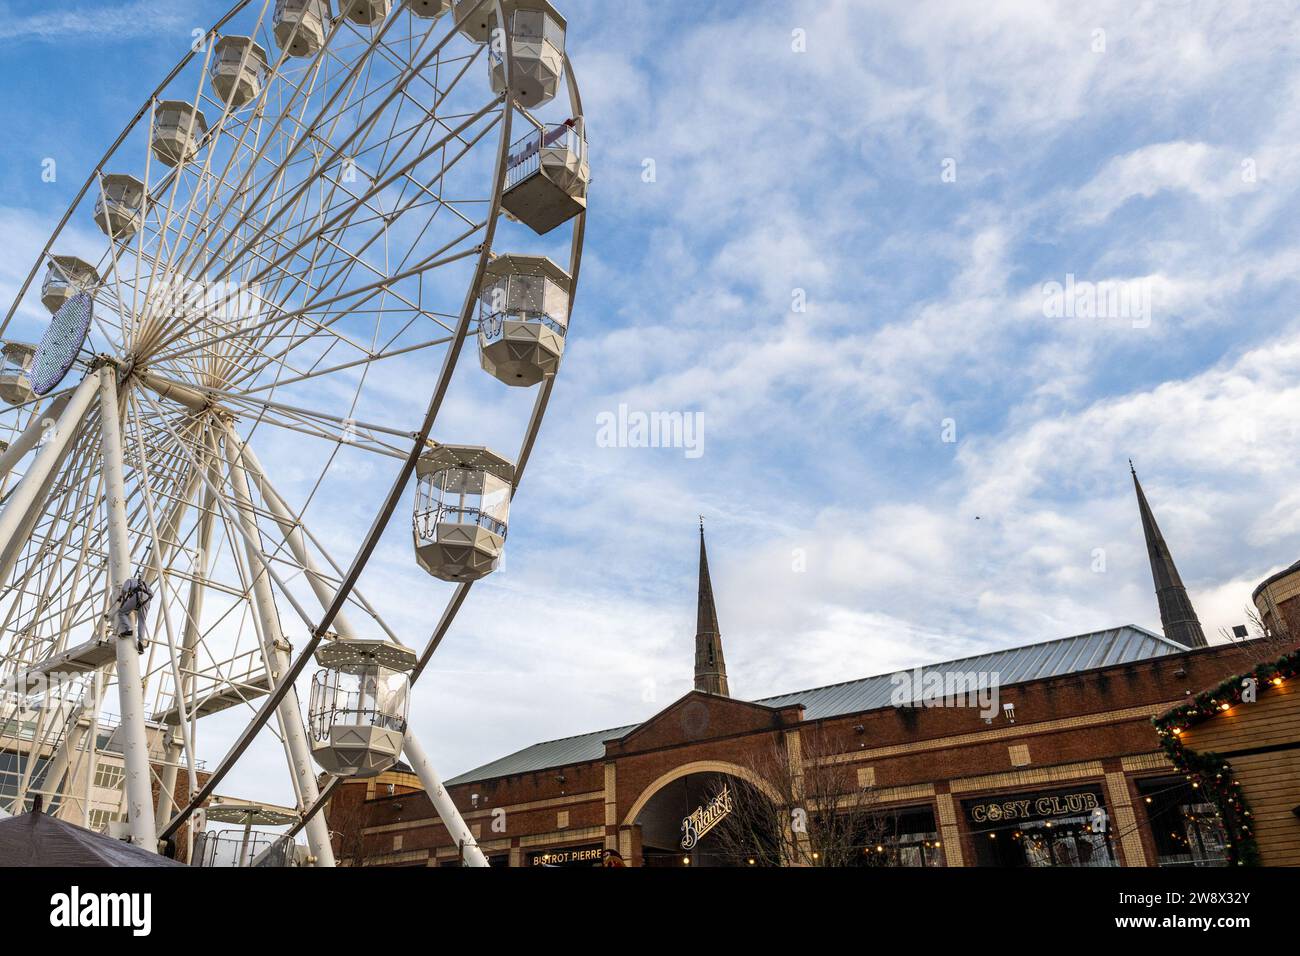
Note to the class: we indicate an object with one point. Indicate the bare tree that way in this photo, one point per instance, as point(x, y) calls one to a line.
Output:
point(801, 809)
point(346, 815)
point(1269, 639)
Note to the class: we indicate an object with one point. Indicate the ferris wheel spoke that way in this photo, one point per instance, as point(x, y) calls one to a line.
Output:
point(38, 562)
point(474, 227)
point(411, 164)
point(369, 291)
point(298, 143)
point(264, 407)
point(342, 220)
point(253, 546)
point(387, 352)
point(356, 297)
point(299, 88)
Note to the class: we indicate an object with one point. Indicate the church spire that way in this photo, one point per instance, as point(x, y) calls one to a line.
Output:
point(710, 668)
point(1177, 616)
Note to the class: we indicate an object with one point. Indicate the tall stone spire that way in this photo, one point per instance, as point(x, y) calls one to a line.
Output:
point(1177, 616)
point(710, 668)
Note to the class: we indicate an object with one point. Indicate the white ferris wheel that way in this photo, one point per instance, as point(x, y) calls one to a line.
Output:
point(283, 256)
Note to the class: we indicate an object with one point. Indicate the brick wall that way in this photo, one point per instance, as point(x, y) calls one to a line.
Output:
point(1091, 727)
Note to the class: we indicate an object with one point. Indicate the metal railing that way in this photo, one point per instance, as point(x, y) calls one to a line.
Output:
point(492, 325)
point(332, 704)
point(280, 854)
point(426, 522)
point(230, 848)
point(526, 153)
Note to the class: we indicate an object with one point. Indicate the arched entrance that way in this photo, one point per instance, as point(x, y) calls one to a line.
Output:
point(708, 814)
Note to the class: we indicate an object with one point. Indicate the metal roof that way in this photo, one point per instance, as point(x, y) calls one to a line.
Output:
point(1014, 665)
point(1285, 572)
point(552, 753)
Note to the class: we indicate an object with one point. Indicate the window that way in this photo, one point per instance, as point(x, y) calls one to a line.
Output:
point(1055, 828)
point(109, 776)
point(902, 838)
point(11, 772)
point(1187, 831)
point(99, 819)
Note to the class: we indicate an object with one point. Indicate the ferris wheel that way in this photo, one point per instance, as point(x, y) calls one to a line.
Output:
point(281, 259)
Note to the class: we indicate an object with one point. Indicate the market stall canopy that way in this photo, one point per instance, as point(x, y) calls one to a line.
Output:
point(250, 813)
point(36, 839)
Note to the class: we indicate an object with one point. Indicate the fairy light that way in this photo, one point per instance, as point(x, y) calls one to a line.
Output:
point(1221, 786)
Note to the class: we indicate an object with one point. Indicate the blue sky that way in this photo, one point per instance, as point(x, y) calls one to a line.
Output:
point(800, 150)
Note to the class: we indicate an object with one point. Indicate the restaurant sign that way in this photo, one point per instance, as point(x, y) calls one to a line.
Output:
point(1034, 808)
point(705, 818)
point(569, 856)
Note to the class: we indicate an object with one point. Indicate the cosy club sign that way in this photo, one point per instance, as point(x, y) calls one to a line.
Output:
point(705, 818)
point(1032, 808)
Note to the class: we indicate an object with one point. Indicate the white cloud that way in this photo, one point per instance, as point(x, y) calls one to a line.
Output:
point(820, 171)
point(1209, 174)
point(131, 20)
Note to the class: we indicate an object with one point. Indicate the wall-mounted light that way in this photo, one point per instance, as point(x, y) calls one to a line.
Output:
point(1009, 712)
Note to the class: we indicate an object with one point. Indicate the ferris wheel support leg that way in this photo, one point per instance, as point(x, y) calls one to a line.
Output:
point(189, 640)
point(30, 491)
point(320, 586)
point(31, 435)
point(167, 779)
point(447, 812)
point(130, 690)
point(423, 767)
point(277, 662)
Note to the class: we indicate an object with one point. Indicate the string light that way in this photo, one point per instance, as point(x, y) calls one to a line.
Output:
point(1222, 788)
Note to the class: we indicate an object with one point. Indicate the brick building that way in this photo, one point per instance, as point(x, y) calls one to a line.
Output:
point(1277, 600)
point(1042, 754)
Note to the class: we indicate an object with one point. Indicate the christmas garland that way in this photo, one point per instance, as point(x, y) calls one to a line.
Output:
point(1209, 772)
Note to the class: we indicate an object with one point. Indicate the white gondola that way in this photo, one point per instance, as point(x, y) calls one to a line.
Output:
point(430, 9)
point(547, 176)
point(119, 209)
point(365, 12)
point(537, 40)
point(178, 128)
point(239, 68)
point(462, 511)
point(358, 706)
point(477, 25)
point(300, 25)
point(64, 278)
point(15, 383)
point(523, 319)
